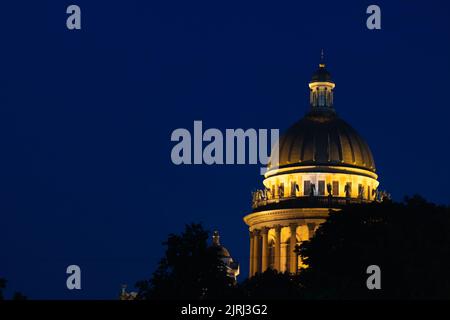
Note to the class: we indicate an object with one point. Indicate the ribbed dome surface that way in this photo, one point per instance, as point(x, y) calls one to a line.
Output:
point(321, 75)
point(221, 251)
point(320, 139)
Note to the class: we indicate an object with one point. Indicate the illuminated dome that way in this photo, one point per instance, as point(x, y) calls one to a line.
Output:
point(319, 164)
point(323, 139)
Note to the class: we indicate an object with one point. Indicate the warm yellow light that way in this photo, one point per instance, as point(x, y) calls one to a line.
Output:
point(274, 182)
point(274, 172)
point(313, 85)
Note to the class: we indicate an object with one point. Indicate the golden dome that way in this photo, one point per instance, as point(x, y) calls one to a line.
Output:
point(319, 163)
point(323, 139)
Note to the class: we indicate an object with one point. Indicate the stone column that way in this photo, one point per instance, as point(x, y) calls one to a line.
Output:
point(250, 270)
point(311, 230)
point(278, 247)
point(265, 249)
point(292, 243)
point(256, 251)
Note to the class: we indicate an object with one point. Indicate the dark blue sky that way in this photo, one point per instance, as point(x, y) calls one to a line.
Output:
point(86, 117)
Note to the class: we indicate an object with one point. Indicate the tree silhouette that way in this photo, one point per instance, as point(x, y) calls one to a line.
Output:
point(2, 287)
point(409, 241)
point(271, 285)
point(16, 295)
point(190, 269)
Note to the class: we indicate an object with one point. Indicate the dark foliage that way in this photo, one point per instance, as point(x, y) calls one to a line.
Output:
point(409, 241)
point(190, 269)
point(16, 296)
point(2, 287)
point(271, 285)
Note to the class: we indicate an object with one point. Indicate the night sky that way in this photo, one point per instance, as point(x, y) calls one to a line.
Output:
point(86, 117)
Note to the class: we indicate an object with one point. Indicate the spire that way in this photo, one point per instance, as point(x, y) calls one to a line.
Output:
point(322, 59)
point(216, 238)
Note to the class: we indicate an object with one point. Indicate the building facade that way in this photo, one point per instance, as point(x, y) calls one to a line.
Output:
point(322, 163)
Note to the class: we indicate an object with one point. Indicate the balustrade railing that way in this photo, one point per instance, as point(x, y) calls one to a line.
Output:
point(262, 198)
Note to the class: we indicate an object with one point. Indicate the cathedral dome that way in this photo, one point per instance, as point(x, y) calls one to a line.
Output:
point(319, 163)
point(221, 251)
point(323, 139)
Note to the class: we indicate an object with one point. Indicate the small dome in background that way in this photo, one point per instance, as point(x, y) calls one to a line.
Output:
point(223, 253)
point(221, 250)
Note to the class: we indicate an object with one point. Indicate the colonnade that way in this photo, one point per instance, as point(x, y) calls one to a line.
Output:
point(278, 251)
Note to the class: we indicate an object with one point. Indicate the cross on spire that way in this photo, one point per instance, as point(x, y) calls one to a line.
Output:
point(322, 59)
